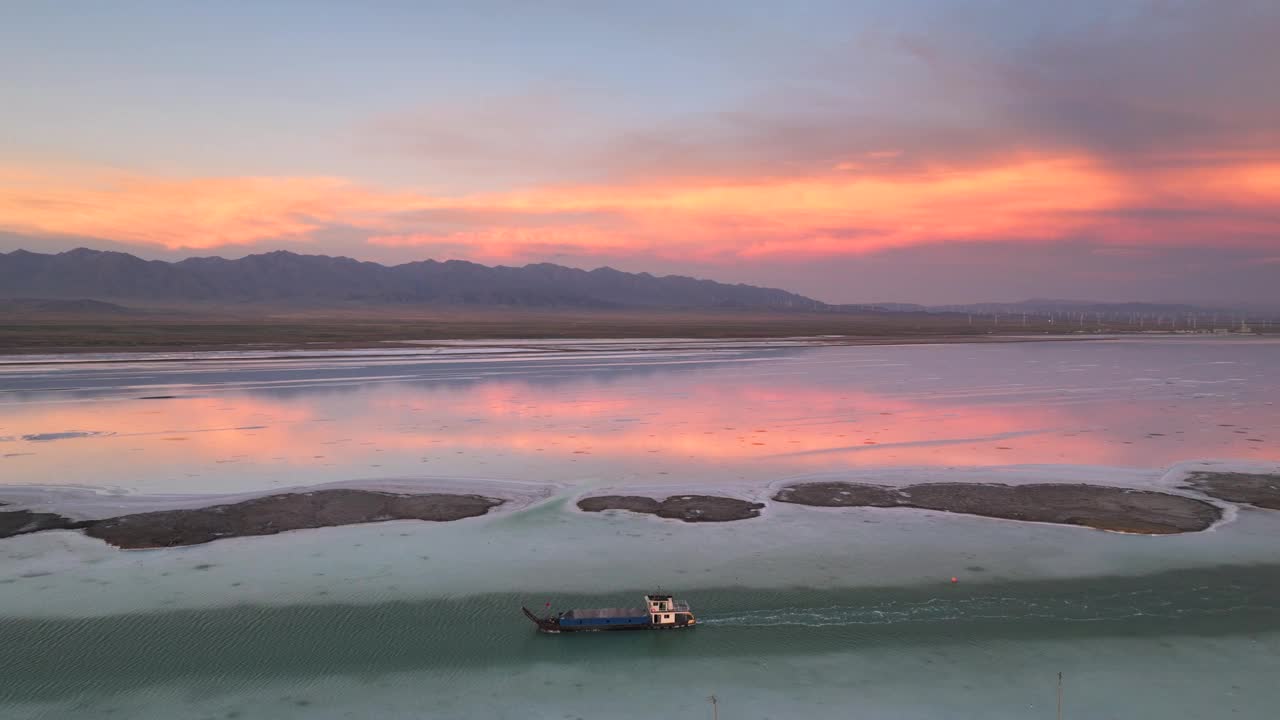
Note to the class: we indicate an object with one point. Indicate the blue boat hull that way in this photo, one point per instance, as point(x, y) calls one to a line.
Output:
point(562, 624)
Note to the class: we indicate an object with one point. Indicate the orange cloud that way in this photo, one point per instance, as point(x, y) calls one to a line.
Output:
point(1032, 197)
point(180, 212)
point(503, 243)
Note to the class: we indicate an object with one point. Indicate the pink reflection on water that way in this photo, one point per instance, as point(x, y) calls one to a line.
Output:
point(682, 424)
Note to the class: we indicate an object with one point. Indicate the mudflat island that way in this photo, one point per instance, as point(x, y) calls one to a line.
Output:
point(265, 515)
point(1097, 506)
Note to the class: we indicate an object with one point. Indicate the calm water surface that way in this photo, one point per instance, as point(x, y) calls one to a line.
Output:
point(228, 425)
point(806, 612)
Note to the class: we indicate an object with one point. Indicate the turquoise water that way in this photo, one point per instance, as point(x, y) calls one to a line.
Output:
point(804, 612)
point(1208, 640)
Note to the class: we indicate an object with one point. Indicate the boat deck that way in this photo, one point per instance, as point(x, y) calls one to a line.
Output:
point(582, 614)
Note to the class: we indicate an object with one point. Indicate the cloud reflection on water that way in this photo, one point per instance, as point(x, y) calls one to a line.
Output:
point(815, 411)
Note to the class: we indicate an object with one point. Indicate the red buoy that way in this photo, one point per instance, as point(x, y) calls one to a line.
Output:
point(955, 580)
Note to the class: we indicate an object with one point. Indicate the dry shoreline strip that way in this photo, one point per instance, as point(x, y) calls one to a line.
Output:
point(266, 515)
point(321, 349)
point(1096, 506)
point(290, 327)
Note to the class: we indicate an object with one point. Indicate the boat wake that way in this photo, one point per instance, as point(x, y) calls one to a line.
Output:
point(1095, 608)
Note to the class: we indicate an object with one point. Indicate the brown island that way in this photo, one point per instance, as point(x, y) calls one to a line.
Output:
point(1260, 490)
point(1096, 506)
point(1102, 507)
point(266, 515)
point(21, 522)
point(689, 508)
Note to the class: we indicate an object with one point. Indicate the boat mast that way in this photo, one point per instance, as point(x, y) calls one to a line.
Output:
point(1059, 695)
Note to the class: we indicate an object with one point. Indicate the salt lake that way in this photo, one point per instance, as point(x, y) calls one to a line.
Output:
point(813, 612)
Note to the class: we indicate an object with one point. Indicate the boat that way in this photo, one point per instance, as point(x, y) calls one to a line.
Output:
point(660, 612)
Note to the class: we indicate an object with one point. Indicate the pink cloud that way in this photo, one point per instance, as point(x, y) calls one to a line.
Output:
point(1029, 198)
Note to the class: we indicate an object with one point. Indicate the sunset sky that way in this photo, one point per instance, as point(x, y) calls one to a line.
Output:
point(912, 151)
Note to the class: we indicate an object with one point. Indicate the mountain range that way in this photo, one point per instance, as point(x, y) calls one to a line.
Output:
point(1044, 306)
point(31, 281)
point(286, 277)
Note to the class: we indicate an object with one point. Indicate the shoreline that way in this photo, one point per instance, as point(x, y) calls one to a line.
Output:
point(236, 327)
point(529, 345)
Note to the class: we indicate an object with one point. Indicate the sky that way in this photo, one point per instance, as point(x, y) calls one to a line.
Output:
point(911, 151)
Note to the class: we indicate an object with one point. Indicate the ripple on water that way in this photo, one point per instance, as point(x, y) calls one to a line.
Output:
point(46, 437)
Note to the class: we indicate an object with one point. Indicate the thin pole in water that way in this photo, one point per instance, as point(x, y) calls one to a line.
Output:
point(715, 710)
point(1059, 695)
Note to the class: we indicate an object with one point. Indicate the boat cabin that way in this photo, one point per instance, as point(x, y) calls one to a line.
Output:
point(665, 611)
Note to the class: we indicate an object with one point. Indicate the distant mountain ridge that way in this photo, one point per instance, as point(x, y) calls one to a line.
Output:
point(1047, 307)
point(84, 280)
point(79, 306)
point(1042, 306)
point(288, 277)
